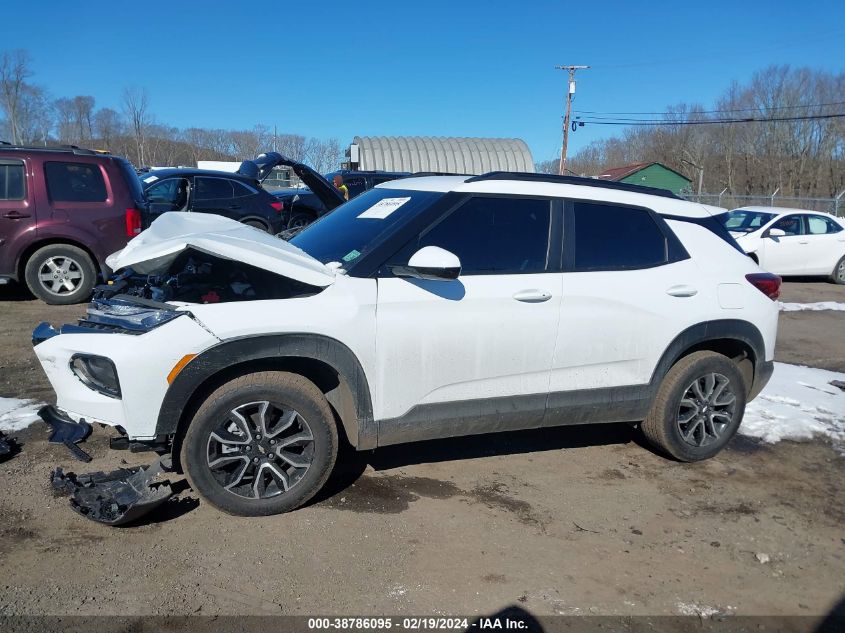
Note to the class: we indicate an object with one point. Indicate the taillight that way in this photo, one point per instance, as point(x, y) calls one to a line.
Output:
point(133, 222)
point(278, 206)
point(767, 283)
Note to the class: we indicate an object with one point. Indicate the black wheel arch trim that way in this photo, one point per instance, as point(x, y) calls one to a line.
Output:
point(361, 431)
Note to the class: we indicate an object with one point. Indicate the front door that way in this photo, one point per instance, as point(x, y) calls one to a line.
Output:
point(786, 254)
point(473, 354)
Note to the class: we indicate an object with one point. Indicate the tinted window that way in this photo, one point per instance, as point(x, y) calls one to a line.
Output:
point(12, 180)
point(745, 221)
point(213, 188)
point(492, 235)
point(712, 223)
point(241, 189)
point(356, 185)
point(75, 182)
point(818, 225)
point(356, 226)
point(611, 237)
point(172, 191)
point(790, 224)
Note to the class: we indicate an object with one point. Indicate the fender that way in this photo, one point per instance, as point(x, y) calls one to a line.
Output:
point(362, 431)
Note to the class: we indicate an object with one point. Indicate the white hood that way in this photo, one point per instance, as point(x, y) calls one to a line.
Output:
point(171, 233)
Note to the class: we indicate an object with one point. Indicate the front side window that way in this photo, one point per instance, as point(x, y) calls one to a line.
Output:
point(492, 235)
point(818, 225)
point(75, 182)
point(791, 225)
point(616, 237)
point(12, 183)
point(214, 189)
point(172, 191)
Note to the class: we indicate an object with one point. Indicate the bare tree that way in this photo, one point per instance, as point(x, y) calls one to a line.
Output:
point(107, 126)
point(14, 70)
point(136, 106)
point(323, 155)
point(35, 115)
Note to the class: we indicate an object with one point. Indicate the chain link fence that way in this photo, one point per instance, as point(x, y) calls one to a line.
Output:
point(834, 206)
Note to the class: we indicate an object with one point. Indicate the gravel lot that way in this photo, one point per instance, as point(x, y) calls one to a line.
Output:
point(558, 521)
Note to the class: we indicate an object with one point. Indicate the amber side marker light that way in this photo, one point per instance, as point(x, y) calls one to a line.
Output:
point(187, 358)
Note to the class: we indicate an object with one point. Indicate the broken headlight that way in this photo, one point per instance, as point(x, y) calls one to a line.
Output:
point(130, 316)
point(97, 373)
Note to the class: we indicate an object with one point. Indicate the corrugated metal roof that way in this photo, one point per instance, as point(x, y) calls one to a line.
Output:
point(456, 155)
point(618, 173)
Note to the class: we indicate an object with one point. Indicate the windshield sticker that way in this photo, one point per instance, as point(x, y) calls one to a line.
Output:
point(351, 255)
point(150, 178)
point(383, 208)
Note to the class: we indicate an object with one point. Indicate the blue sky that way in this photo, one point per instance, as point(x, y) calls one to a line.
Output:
point(414, 68)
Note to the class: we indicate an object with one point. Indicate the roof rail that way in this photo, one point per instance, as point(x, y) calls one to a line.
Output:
point(573, 180)
point(68, 149)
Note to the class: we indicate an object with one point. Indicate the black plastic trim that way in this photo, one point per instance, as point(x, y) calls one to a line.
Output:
point(361, 432)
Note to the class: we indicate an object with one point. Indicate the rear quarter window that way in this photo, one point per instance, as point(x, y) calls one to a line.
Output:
point(75, 182)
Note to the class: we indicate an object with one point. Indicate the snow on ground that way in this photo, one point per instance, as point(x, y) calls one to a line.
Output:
point(797, 404)
point(17, 414)
point(819, 305)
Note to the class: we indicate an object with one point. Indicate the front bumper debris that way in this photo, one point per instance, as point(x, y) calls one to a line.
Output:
point(116, 498)
point(66, 431)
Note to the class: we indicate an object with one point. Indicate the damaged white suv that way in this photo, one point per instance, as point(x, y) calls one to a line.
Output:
point(425, 308)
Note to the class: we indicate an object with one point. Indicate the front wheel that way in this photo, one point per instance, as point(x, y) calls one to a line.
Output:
point(838, 275)
point(698, 407)
point(261, 444)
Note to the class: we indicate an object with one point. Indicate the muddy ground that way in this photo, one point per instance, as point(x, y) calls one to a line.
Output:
point(558, 521)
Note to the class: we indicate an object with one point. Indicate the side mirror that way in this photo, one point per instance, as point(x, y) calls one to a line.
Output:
point(431, 262)
point(775, 233)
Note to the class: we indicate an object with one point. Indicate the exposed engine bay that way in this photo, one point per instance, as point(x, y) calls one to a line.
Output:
point(197, 277)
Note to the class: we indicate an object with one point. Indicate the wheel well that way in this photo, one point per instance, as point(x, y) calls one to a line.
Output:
point(323, 375)
point(738, 351)
point(258, 219)
point(29, 250)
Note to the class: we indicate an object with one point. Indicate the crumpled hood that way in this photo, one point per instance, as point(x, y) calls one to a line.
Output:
point(154, 249)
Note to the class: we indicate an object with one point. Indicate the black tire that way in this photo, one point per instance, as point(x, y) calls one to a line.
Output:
point(707, 430)
point(838, 274)
point(47, 267)
point(283, 392)
point(300, 220)
point(258, 224)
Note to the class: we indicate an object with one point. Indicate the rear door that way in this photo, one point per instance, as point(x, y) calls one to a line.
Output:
point(472, 354)
point(17, 211)
point(629, 288)
point(215, 194)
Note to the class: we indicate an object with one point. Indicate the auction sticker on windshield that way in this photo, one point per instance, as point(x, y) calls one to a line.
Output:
point(383, 208)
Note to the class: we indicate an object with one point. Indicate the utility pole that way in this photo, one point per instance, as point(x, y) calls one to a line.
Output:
point(569, 94)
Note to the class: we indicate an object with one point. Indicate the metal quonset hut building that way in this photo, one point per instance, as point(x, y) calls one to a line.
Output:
point(455, 155)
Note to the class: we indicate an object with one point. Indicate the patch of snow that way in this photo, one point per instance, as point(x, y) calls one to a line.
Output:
point(799, 403)
point(701, 610)
point(17, 414)
point(815, 307)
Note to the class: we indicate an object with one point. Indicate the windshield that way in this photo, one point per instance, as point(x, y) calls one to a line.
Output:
point(744, 221)
point(353, 228)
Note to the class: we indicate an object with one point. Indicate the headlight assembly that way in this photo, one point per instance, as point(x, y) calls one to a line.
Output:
point(97, 373)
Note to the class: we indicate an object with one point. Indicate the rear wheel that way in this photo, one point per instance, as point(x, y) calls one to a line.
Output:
point(698, 407)
point(262, 444)
point(838, 275)
point(60, 274)
point(300, 220)
point(258, 224)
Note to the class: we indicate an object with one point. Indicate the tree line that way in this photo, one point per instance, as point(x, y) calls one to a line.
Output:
point(29, 115)
point(804, 158)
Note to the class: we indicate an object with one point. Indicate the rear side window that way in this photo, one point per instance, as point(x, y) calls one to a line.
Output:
point(494, 235)
point(12, 183)
point(818, 225)
point(214, 188)
point(75, 182)
point(615, 237)
point(241, 190)
point(714, 224)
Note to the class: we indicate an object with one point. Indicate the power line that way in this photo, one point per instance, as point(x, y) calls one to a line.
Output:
point(794, 107)
point(714, 121)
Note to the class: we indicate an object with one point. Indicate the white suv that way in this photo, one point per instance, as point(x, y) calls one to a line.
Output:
point(425, 308)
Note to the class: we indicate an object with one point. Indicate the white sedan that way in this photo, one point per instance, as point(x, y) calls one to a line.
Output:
point(791, 241)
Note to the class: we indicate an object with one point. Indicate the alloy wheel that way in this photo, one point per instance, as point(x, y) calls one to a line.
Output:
point(707, 408)
point(260, 450)
point(60, 275)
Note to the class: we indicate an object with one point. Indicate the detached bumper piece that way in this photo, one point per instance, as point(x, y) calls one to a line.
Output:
point(66, 431)
point(118, 497)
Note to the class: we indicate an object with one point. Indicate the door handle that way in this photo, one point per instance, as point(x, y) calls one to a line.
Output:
point(532, 296)
point(682, 291)
point(15, 215)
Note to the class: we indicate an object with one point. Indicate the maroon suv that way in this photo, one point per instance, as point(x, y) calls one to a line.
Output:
point(62, 211)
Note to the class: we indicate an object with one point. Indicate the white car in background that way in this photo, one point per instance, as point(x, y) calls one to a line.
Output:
point(790, 241)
